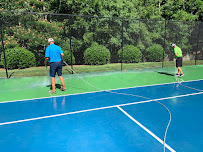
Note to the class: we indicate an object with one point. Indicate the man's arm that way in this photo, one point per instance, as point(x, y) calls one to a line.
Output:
point(175, 52)
point(46, 60)
point(62, 55)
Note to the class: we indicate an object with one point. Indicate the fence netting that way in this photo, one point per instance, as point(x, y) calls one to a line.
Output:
point(112, 43)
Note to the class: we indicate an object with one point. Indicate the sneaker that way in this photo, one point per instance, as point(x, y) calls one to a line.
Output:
point(176, 74)
point(52, 92)
point(181, 75)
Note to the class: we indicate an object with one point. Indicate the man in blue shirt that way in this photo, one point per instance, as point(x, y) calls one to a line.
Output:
point(53, 54)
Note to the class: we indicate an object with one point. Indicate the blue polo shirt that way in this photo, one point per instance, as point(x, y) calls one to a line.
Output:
point(53, 52)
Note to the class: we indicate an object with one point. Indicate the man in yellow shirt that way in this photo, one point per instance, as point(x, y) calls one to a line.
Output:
point(178, 56)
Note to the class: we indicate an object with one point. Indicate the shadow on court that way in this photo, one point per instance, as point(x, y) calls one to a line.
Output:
point(58, 86)
point(165, 73)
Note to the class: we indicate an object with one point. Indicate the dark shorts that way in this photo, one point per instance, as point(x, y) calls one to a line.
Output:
point(55, 67)
point(179, 62)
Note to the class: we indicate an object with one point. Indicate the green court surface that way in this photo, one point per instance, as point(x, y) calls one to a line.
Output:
point(37, 87)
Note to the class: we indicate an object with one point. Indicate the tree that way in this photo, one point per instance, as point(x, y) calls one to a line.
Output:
point(183, 10)
point(27, 5)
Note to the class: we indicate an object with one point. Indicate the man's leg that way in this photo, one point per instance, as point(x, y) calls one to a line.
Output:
point(53, 83)
point(52, 74)
point(177, 67)
point(180, 65)
point(61, 77)
point(62, 82)
point(180, 70)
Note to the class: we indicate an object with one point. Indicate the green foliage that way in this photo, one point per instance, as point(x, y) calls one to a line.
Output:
point(131, 54)
point(185, 16)
point(154, 53)
point(67, 57)
point(10, 41)
point(31, 31)
point(183, 10)
point(183, 34)
point(97, 55)
point(39, 56)
point(21, 5)
point(142, 9)
point(18, 58)
point(32, 37)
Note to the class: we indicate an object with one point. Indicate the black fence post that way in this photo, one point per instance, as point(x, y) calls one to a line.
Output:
point(2, 41)
point(164, 45)
point(69, 28)
point(197, 47)
point(122, 48)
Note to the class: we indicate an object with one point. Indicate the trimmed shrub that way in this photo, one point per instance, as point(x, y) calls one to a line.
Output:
point(154, 53)
point(131, 54)
point(18, 58)
point(67, 57)
point(97, 55)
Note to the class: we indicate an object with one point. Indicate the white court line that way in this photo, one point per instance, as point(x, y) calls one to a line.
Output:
point(93, 92)
point(69, 113)
point(147, 130)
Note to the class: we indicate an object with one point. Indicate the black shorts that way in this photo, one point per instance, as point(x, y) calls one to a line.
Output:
point(55, 67)
point(179, 61)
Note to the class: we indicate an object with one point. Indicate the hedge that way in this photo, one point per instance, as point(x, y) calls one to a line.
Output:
point(154, 53)
point(97, 55)
point(18, 58)
point(131, 54)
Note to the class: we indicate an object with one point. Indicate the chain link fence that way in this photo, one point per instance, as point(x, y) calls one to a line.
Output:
point(105, 43)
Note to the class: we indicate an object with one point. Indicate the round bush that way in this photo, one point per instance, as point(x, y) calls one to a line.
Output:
point(154, 53)
point(131, 54)
point(67, 57)
point(97, 55)
point(18, 58)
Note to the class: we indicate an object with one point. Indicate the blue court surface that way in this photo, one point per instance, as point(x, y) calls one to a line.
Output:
point(106, 122)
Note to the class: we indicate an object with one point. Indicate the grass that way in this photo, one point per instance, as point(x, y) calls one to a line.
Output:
point(42, 71)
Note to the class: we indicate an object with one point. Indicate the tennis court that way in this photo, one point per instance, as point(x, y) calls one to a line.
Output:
point(120, 119)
